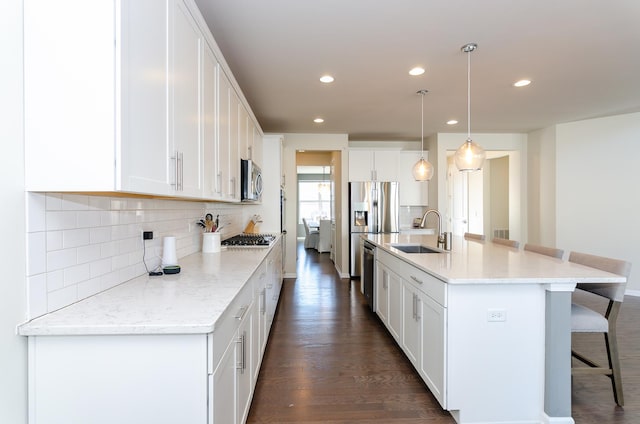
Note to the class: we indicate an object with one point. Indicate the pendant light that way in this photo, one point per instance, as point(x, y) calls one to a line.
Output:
point(422, 170)
point(470, 156)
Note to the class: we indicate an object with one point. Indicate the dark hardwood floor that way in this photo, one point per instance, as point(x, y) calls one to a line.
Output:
point(329, 360)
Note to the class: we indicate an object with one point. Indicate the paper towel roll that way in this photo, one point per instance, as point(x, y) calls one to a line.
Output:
point(169, 256)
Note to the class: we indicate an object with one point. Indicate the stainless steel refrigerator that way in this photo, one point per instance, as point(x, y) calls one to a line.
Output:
point(373, 208)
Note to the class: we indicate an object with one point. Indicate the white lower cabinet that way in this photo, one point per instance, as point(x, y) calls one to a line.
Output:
point(158, 378)
point(411, 304)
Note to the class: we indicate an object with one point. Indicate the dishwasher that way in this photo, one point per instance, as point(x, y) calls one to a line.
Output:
point(368, 271)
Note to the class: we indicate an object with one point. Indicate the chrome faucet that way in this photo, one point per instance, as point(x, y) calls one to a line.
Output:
point(441, 238)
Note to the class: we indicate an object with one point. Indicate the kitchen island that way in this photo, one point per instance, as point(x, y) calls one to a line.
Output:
point(486, 326)
point(174, 348)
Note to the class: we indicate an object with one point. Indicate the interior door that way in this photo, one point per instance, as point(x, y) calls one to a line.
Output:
point(458, 200)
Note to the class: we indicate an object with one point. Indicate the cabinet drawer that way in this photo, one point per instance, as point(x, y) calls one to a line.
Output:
point(427, 284)
point(228, 323)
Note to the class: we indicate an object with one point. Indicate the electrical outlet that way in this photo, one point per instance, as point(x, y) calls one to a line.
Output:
point(496, 315)
point(147, 235)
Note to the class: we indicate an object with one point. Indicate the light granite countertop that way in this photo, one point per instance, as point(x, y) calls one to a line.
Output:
point(190, 302)
point(484, 262)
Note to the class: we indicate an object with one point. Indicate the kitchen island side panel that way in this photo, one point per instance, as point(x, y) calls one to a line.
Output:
point(495, 363)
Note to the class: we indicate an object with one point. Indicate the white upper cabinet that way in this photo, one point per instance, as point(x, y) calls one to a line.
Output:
point(412, 192)
point(129, 96)
point(185, 122)
point(373, 165)
point(95, 96)
point(211, 167)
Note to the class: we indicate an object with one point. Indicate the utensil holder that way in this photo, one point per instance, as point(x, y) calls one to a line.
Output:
point(210, 242)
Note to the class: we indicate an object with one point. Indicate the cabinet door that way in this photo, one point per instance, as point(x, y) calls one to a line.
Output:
point(256, 152)
point(209, 125)
point(185, 123)
point(412, 192)
point(144, 99)
point(385, 164)
point(244, 374)
point(234, 158)
point(360, 165)
point(224, 387)
point(245, 144)
point(395, 305)
point(433, 335)
point(382, 293)
point(411, 334)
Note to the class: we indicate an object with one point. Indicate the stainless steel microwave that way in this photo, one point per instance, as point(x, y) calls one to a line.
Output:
point(251, 181)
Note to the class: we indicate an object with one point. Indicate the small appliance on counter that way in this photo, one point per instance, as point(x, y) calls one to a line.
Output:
point(169, 256)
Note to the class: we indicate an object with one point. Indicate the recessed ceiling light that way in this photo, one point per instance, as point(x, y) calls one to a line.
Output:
point(318, 120)
point(521, 83)
point(452, 122)
point(326, 79)
point(416, 71)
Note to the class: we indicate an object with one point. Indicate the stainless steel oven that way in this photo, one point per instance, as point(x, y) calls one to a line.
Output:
point(251, 181)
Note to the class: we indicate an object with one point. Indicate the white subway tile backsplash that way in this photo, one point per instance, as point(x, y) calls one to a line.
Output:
point(88, 219)
point(88, 253)
point(54, 240)
point(60, 259)
point(75, 238)
point(61, 220)
point(55, 280)
point(99, 234)
point(89, 288)
point(36, 253)
point(36, 212)
point(37, 295)
point(100, 267)
point(76, 274)
point(54, 201)
point(79, 245)
point(75, 202)
point(61, 298)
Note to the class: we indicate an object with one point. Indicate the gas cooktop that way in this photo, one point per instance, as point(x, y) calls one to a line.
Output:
point(260, 240)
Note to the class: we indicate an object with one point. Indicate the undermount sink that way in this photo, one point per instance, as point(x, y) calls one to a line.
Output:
point(415, 248)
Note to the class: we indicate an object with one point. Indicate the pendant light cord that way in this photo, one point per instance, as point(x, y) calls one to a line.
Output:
point(422, 126)
point(469, 94)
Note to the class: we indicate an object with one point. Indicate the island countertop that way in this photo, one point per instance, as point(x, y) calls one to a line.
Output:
point(483, 262)
point(190, 302)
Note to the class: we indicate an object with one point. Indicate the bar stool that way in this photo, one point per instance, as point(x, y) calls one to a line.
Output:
point(586, 320)
point(544, 250)
point(472, 236)
point(506, 242)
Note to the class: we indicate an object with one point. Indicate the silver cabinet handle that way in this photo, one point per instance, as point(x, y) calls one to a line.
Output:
point(181, 162)
point(263, 301)
point(176, 182)
point(241, 312)
point(242, 363)
point(416, 279)
point(233, 186)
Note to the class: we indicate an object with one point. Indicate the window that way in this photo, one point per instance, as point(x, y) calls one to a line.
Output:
point(314, 200)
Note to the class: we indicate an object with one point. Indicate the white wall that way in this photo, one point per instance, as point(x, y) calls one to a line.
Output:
point(13, 307)
point(541, 169)
point(334, 142)
point(597, 199)
point(516, 145)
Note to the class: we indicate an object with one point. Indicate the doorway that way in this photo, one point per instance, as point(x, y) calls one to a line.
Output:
point(479, 202)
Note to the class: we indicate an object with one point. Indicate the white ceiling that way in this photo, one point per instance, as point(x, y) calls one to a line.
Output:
point(582, 56)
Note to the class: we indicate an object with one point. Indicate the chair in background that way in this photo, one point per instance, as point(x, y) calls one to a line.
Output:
point(472, 236)
point(311, 237)
point(544, 250)
point(506, 242)
point(586, 320)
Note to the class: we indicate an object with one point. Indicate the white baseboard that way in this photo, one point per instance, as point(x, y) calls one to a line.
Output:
point(635, 293)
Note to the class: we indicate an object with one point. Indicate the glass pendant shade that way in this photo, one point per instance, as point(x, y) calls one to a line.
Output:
point(470, 156)
point(422, 170)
